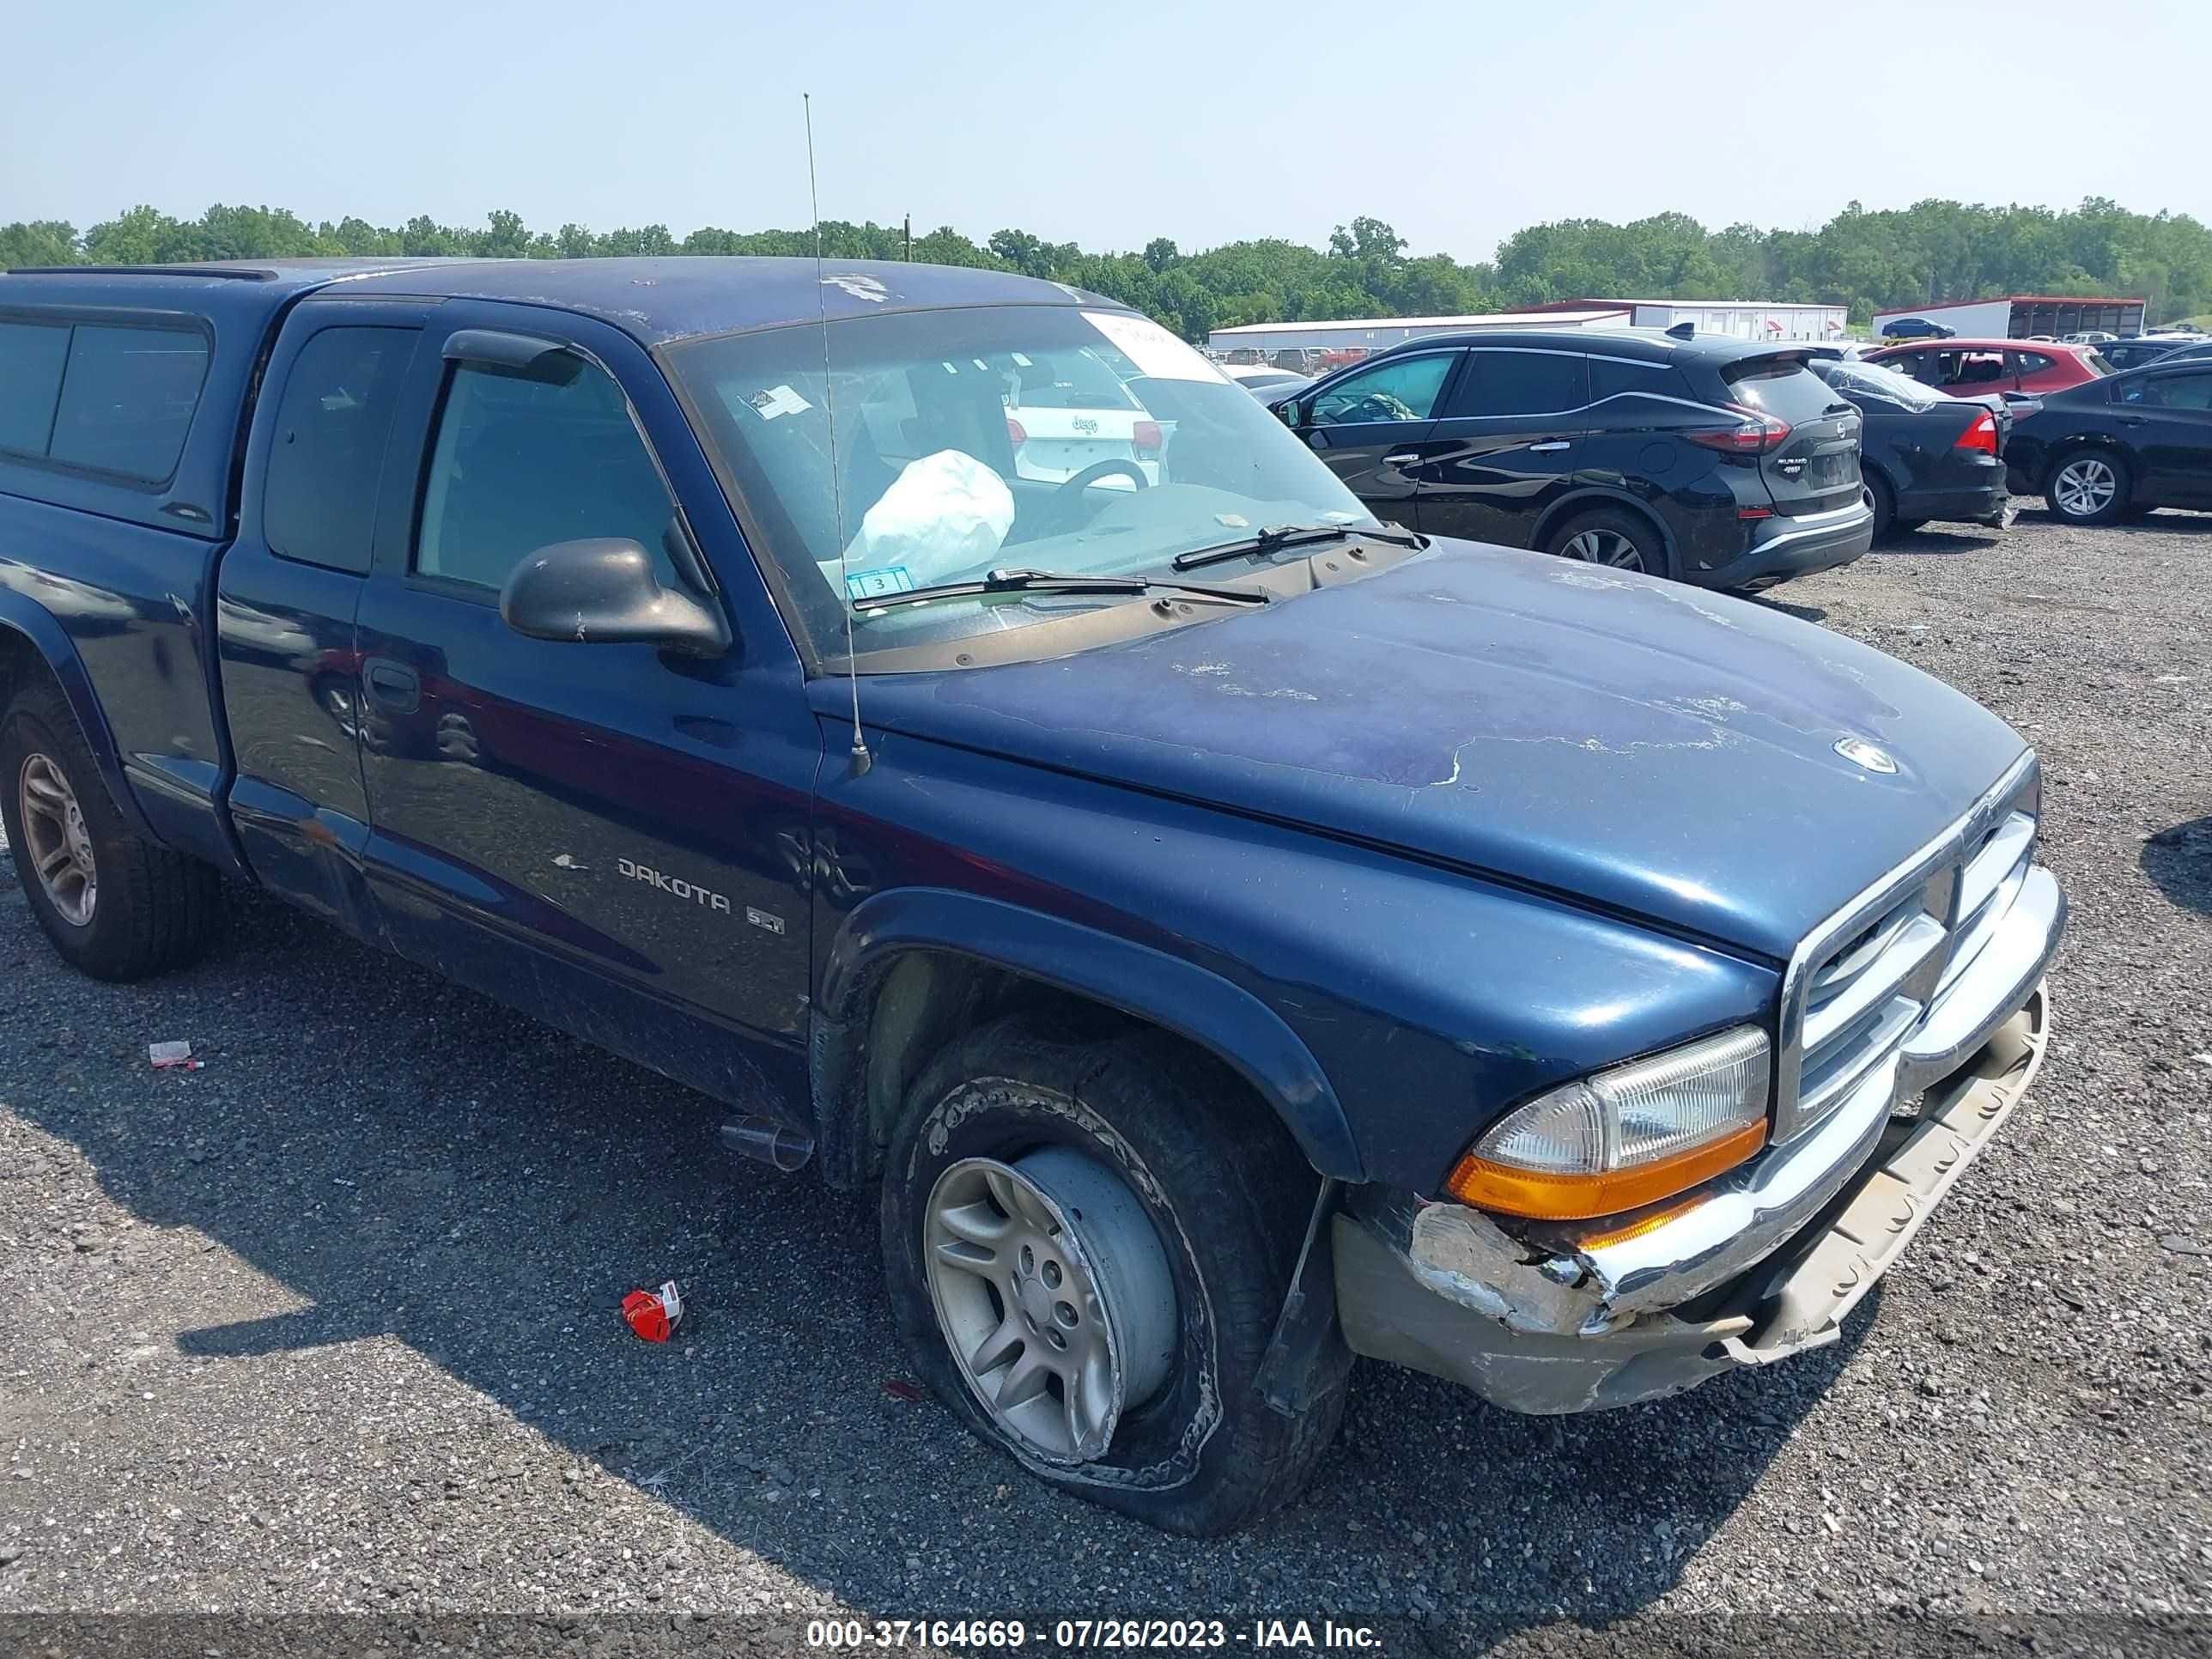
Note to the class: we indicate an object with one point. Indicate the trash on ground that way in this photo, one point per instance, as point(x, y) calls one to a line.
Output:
point(653, 1315)
point(899, 1388)
point(172, 1057)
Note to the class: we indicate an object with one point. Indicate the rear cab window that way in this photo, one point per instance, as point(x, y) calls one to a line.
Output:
point(318, 500)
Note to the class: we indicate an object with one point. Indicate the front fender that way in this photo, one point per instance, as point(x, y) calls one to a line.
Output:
point(1165, 990)
point(34, 631)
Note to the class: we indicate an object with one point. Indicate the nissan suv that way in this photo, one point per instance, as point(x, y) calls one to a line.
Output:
point(1714, 460)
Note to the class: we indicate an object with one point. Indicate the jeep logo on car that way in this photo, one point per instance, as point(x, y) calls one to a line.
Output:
point(1087, 427)
point(673, 884)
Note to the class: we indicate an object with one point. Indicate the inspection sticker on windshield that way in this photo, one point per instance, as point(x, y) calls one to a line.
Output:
point(778, 400)
point(1152, 348)
point(875, 584)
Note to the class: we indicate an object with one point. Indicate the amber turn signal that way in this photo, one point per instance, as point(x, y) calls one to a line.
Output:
point(1545, 1196)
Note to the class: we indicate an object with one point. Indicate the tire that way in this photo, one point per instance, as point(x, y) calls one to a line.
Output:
point(1599, 537)
point(1884, 502)
point(137, 909)
point(1906, 526)
point(2087, 486)
point(1174, 1184)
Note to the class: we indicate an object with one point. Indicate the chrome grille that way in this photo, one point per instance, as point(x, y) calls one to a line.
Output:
point(1858, 987)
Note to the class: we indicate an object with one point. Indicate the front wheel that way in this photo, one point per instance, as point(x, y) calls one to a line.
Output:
point(2088, 487)
point(1087, 1244)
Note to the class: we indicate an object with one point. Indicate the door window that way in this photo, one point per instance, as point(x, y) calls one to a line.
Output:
point(2176, 392)
point(522, 461)
point(318, 503)
point(1521, 383)
point(1403, 389)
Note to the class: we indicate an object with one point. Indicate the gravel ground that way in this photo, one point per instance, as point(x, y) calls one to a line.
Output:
point(331, 1324)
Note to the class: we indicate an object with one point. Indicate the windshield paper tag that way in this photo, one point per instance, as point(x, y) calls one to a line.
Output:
point(1152, 348)
point(778, 400)
point(875, 584)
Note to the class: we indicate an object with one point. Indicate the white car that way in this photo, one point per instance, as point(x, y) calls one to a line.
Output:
point(1070, 413)
point(2087, 337)
point(1259, 377)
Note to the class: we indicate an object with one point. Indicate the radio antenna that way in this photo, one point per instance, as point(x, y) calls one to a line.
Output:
point(862, 759)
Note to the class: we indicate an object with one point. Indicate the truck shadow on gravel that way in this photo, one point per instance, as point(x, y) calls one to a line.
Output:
point(2178, 861)
point(415, 1162)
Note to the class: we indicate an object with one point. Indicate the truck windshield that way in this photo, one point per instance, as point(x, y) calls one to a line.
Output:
point(1069, 439)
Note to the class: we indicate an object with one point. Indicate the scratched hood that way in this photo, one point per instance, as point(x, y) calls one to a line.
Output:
point(1645, 745)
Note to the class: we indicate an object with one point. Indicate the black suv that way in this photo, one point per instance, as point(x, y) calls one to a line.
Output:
point(1717, 461)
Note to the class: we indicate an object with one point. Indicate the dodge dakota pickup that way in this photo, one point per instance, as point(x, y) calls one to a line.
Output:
point(1231, 933)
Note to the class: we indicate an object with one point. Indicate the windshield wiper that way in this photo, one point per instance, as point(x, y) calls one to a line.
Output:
point(1047, 581)
point(1276, 537)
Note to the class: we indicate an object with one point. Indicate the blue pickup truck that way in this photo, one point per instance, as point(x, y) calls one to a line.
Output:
point(937, 716)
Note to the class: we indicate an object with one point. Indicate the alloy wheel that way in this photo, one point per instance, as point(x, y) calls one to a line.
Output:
point(1053, 1293)
point(1605, 547)
point(60, 846)
point(2085, 487)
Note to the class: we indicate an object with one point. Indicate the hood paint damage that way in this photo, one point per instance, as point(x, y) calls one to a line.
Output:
point(1648, 747)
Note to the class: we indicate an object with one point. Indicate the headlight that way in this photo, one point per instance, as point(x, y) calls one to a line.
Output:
point(1620, 1139)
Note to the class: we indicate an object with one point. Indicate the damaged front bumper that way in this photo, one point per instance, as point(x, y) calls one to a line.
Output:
point(1761, 1264)
point(1537, 1332)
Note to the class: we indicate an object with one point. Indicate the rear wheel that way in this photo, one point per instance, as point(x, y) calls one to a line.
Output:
point(116, 907)
point(1883, 500)
point(2088, 487)
point(1619, 541)
point(1087, 1244)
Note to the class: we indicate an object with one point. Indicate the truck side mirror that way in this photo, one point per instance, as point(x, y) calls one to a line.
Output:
point(603, 591)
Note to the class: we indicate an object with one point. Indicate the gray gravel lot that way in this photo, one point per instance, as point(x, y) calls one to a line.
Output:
point(331, 1324)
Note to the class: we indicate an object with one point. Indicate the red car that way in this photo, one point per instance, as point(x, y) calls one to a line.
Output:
point(1974, 368)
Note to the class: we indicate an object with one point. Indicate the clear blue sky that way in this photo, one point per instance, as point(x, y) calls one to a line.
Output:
point(1105, 124)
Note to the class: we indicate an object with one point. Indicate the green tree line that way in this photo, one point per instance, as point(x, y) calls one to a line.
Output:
point(1869, 261)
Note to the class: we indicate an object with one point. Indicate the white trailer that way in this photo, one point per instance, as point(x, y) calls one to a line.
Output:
point(2023, 316)
point(1362, 335)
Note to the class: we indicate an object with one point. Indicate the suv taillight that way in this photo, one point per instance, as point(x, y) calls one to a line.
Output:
point(1145, 437)
point(1017, 434)
point(1982, 435)
point(1757, 434)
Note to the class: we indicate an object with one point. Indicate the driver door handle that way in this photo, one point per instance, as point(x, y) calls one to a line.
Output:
point(1544, 449)
point(394, 684)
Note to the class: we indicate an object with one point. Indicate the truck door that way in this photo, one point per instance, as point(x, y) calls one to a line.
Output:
point(286, 592)
point(607, 836)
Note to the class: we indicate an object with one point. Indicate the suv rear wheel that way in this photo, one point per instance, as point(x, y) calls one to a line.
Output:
point(1087, 1245)
point(117, 907)
point(1610, 537)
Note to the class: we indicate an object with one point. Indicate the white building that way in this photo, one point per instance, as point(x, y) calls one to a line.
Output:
point(1744, 319)
point(1372, 334)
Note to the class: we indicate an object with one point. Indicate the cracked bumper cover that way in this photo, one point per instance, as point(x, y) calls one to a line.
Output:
point(1763, 1263)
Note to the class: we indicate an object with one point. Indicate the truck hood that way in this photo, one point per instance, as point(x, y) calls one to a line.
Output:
point(1633, 743)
